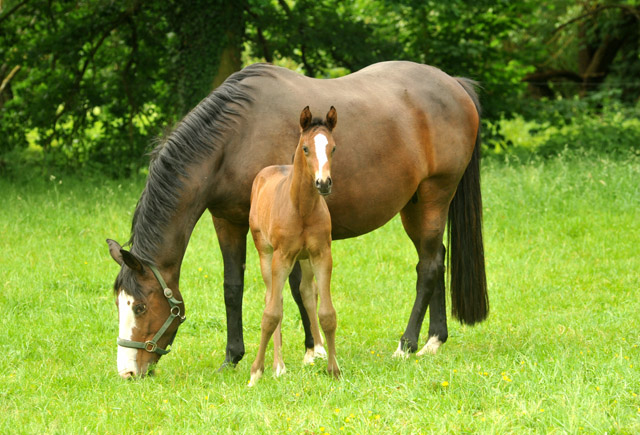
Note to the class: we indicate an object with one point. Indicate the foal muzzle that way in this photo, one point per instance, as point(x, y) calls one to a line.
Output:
point(324, 186)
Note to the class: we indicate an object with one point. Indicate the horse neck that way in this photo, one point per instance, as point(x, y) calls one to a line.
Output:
point(304, 194)
point(173, 233)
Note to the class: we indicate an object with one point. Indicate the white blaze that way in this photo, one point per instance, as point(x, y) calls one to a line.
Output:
point(321, 153)
point(126, 356)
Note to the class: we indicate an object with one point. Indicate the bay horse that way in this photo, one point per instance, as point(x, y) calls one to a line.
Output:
point(290, 221)
point(414, 149)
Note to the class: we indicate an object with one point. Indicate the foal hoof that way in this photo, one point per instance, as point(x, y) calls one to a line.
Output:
point(432, 346)
point(255, 377)
point(334, 371)
point(279, 369)
point(311, 354)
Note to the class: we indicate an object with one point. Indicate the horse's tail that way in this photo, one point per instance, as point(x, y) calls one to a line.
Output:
point(469, 299)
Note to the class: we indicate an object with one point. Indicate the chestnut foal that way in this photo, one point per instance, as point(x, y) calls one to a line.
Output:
point(290, 222)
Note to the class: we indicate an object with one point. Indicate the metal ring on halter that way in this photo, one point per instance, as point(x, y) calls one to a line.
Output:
point(175, 311)
point(150, 346)
point(168, 293)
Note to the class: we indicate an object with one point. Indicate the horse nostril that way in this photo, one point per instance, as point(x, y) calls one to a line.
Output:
point(127, 375)
point(318, 184)
point(329, 182)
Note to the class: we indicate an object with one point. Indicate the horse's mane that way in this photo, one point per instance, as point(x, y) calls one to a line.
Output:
point(195, 137)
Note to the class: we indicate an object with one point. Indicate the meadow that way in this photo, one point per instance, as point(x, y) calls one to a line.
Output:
point(559, 352)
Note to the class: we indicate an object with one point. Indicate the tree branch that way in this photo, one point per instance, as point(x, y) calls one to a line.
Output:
point(266, 53)
point(8, 78)
point(545, 76)
point(633, 11)
point(12, 10)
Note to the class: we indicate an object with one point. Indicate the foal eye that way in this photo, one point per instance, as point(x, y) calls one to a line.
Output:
point(333, 150)
point(139, 309)
point(305, 149)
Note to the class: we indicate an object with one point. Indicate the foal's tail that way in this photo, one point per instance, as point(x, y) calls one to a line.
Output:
point(469, 299)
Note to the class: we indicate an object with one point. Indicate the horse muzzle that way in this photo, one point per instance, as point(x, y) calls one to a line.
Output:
point(324, 186)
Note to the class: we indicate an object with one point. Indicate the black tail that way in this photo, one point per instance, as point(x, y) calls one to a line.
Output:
point(469, 299)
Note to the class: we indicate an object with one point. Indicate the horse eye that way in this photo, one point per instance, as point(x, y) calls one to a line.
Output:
point(139, 309)
point(305, 149)
point(333, 150)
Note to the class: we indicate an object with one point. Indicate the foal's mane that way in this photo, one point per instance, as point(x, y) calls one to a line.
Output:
point(197, 135)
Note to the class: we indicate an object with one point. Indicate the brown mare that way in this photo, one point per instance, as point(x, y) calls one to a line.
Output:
point(290, 221)
point(414, 149)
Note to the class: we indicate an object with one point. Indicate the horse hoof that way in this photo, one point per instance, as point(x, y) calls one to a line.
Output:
point(226, 365)
point(319, 352)
point(255, 377)
point(400, 353)
point(308, 357)
point(279, 369)
point(334, 371)
point(432, 346)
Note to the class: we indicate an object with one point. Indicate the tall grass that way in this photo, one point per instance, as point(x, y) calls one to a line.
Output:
point(559, 352)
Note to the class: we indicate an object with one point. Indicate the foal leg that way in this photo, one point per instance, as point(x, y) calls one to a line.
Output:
point(322, 265)
point(424, 222)
point(309, 297)
point(272, 316)
point(294, 283)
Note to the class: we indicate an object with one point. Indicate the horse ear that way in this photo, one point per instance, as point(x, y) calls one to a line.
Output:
point(305, 118)
point(131, 261)
point(114, 250)
point(332, 118)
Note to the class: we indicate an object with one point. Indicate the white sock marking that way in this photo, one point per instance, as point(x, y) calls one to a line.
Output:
point(432, 346)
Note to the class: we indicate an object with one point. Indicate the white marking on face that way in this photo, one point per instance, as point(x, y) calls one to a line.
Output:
point(127, 362)
point(321, 142)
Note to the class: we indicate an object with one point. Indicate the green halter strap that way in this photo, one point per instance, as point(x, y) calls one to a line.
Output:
point(152, 345)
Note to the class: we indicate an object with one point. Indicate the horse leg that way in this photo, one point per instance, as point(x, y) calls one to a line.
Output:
point(322, 265)
point(438, 332)
point(266, 257)
point(233, 245)
point(424, 222)
point(294, 284)
point(272, 315)
point(309, 297)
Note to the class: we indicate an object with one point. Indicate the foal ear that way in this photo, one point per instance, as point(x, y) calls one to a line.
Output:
point(131, 261)
point(114, 250)
point(332, 118)
point(305, 118)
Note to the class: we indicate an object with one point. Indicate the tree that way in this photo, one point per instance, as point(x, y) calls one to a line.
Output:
point(463, 38)
point(594, 40)
point(89, 81)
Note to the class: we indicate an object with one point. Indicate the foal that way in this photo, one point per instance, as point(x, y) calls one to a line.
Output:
point(290, 222)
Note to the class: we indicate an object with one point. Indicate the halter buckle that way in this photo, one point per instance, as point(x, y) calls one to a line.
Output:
point(150, 346)
point(168, 293)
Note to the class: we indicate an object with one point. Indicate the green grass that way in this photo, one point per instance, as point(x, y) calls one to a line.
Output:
point(559, 353)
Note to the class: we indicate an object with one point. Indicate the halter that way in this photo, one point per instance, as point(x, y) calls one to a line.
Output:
point(151, 346)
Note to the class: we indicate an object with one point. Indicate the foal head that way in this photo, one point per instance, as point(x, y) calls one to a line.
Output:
point(318, 146)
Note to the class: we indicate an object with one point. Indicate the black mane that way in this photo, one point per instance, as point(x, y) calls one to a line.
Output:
point(198, 134)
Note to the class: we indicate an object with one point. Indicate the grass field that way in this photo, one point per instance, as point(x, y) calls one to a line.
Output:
point(559, 353)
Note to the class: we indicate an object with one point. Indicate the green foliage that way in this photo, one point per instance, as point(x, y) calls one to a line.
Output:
point(87, 85)
point(590, 127)
point(98, 79)
point(559, 352)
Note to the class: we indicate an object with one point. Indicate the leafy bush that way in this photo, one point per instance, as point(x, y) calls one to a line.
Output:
point(597, 125)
